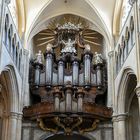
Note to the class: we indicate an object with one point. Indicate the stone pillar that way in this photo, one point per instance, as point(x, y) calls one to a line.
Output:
point(119, 125)
point(115, 128)
point(111, 74)
point(25, 85)
point(13, 120)
point(1, 22)
point(19, 126)
point(137, 36)
point(137, 90)
point(5, 127)
point(122, 127)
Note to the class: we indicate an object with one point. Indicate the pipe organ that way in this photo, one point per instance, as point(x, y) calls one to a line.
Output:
point(67, 86)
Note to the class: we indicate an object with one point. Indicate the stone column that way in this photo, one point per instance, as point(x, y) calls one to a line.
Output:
point(122, 127)
point(137, 35)
point(19, 126)
point(111, 74)
point(119, 126)
point(1, 22)
point(13, 120)
point(115, 128)
point(137, 90)
point(25, 85)
point(5, 127)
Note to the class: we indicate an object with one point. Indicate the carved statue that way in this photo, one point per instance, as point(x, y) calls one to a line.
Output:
point(49, 47)
point(87, 47)
point(68, 46)
point(39, 57)
point(98, 58)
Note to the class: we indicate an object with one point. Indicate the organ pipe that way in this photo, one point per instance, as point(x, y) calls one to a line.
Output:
point(75, 73)
point(99, 75)
point(60, 72)
point(87, 69)
point(49, 68)
point(37, 75)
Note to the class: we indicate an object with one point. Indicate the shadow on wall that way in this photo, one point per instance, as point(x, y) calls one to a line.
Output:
point(67, 137)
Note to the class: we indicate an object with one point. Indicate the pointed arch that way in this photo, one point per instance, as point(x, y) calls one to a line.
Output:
point(127, 77)
point(9, 81)
point(63, 137)
point(96, 19)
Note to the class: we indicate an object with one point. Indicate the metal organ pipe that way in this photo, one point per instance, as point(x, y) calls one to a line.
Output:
point(60, 72)
point(87, 69)
point(57, 102)
point(37, 75)
point(99, 75)
point(80, 103)
point(75, 73)
point(49, 68)
point(68, 96)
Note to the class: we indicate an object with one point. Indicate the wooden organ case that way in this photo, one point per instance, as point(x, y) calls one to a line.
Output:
point(67, 85)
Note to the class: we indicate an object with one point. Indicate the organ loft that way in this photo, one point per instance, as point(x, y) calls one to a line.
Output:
point(68, 81)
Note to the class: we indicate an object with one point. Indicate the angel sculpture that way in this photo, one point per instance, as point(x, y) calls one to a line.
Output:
point(87, 47)
point(68, 46)
point(98, 58)
point(49, 47)
point(39, 57)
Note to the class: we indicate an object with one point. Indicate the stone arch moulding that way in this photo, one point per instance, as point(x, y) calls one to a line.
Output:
point(37, 20)
point(12, 88)
point(122, 89)
point(47, 136)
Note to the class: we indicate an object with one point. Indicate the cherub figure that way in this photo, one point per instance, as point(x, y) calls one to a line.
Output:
point(87, 47)
point(98, 58)
point(68, 46)
point(49, 47)
point(39, 57)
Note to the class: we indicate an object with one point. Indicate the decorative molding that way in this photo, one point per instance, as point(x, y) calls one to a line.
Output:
point(16, 115)
point(120, 117)
point(25, 52)
point(131, 2)
point(7, 1)
point(138, 94)
point(137, 90)
point(111, 53)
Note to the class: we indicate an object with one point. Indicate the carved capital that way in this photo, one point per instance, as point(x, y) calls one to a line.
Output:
point(111, 53)
point(119, 117)
point(114, 119)
point(137, 90)
point(25, 52)
point(7, 1)
point(16, 115)
point(122, 117)
point(131, 2)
